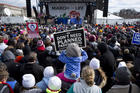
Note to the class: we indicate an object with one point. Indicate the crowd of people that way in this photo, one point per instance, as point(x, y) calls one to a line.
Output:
point(109, 63)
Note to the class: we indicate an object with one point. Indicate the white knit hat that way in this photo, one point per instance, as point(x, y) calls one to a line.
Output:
point(54, 83)
point(48, 72)
point(19, 52)
point(94, 63)
point(28, 81)
point(49, 48)
point(122, 64)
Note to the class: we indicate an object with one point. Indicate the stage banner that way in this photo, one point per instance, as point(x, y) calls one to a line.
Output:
point(62, 39)
point(32, 29)
point(136, 39)
point(67, 9)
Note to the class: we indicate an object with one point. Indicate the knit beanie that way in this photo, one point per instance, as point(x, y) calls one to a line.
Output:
point(94, 63)
point(54, 83)
point(92, 38)
point(123, 74)
point(122, 64)
point(73, 50)
point(28, 81)
point(19, 52)
point(48, 71)
point(40, 45)
point(8, 55)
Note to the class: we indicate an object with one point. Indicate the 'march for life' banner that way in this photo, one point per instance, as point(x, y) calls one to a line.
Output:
point(57, 9)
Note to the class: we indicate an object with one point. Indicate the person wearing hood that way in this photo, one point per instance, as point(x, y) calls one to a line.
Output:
point(108, 63)
point(48, 73)
point(72, 57)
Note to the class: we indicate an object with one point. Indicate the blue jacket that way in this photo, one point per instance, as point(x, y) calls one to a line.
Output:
point(43, 84)
point(72, 64)
point(12, 84)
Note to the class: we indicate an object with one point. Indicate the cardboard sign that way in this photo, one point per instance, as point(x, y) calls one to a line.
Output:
point(62, 39)
point(32, 29)
point(136, 39)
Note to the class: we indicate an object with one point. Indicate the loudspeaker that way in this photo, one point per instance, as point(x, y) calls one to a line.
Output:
point(28, 7)
point(105, 10)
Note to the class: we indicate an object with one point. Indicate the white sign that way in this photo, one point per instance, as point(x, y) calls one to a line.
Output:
point(57, 9)
point(12, 19)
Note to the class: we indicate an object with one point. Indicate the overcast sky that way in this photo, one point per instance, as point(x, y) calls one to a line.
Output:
point(114, 5)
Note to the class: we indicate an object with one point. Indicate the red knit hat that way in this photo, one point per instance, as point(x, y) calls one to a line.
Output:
point(40, 45)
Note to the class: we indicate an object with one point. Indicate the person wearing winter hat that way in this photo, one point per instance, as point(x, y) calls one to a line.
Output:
point(108, 63)
point(100, 76)
point(122, 64)
point(123, 82)
point(3, 46)
point(48, 73)
point(40, 45)
point(54, 85)
point(92, 41)
point(85, 83)
point(32, 67)
point(72, 57)
point(19, 56)
point(8, 56)
point(28, 84)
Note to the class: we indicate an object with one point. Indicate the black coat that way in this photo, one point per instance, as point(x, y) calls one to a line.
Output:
point(32, 68)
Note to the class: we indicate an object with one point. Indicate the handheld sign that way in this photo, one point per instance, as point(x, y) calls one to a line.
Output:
point(136, 39)
point(32, 29)
point(62, 39)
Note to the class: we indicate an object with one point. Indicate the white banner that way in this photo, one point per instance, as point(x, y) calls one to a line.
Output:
point(57, 9)
point(12, 20)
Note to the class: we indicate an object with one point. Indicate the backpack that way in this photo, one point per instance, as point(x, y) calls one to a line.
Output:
point(3, 88)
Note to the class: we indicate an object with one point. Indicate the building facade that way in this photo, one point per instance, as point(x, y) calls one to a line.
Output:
point(14, 10)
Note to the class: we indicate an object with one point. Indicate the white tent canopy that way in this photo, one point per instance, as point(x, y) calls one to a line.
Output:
point(99, 15)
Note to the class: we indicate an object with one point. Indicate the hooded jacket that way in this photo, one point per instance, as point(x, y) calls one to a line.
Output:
point(82, 87)
point(107, 59)
point(72, 64)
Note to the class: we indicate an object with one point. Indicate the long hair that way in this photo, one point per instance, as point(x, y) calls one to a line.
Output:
point(104, 78)
point(88, 75)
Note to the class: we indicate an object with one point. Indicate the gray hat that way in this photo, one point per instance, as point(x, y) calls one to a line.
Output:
point(73, 50)
point(8, 55)
point(123, 74)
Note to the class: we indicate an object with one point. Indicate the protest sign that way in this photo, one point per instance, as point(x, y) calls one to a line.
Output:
point(136, 39)
point(62, 39)
point(32, 29)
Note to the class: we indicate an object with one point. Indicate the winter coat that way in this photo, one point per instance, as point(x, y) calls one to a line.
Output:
point(107, 60)
point(72, 64)
point(32, 68)
point(82, 87)
point(2, 47)
point(124, 89)
point(14, 85)
point(4, 89)
point(43, 84)
point(13, 69)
